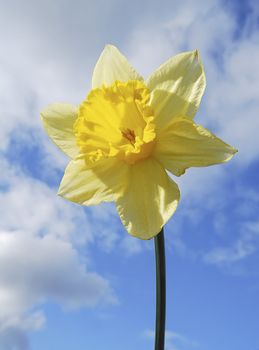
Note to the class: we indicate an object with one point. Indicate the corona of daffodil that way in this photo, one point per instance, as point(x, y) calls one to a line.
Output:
point(127, 132)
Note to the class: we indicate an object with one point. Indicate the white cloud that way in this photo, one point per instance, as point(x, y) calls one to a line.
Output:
point(174, 340)
point(39, 234)
point(232, 252)
point(30, 205)
point(131, 245)
point(34, 270)
point(38, 260)
point(244, 246)
point(191, 25)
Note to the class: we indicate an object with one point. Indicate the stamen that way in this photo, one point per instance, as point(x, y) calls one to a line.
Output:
point(129, 135)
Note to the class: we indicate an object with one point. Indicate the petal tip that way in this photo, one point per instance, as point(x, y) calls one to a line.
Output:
point(112, 65)
point(54, 109)
point(44, 112)
point(110, 47)
point(60, 191)
point(232, 152)
point(196, 55)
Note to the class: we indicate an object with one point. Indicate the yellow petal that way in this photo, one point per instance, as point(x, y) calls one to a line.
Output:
point(149, 200)
point(58, 121)
point(177, 87)
point(112, 66)
point(184, 144)
point(91, 186)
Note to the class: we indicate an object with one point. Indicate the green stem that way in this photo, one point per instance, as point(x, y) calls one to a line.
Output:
point(160, 291)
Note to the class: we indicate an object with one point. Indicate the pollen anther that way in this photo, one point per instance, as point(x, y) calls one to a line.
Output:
point(129, 135)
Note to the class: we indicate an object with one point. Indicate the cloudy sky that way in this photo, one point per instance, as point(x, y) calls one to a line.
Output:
point(71, 277)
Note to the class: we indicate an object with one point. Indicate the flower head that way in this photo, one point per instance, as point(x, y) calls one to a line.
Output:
point(127, 132)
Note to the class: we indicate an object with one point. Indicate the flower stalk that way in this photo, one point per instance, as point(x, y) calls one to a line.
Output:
point(160, 291)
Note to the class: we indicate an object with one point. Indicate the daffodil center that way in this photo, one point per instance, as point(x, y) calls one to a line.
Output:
point(129, 135)
point(116, 121)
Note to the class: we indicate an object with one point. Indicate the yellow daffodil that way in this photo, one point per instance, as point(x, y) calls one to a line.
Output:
point(127, 132)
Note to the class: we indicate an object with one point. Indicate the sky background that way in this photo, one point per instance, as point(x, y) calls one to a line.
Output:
point(71, 277)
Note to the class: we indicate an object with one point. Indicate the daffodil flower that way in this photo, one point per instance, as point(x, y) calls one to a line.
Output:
point(128, 132)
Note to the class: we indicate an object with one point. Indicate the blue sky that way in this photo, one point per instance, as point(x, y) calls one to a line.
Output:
point(71, 277)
